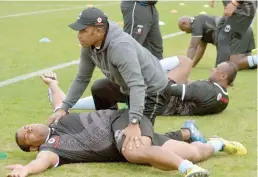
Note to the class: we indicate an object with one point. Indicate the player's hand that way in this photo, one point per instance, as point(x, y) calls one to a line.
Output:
point(229, 9)
point(212, 3)
point(132, 137)
point(49, 78)
point(56, 116)
point(18, 171)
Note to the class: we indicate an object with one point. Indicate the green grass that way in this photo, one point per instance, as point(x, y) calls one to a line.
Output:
point(26, 102)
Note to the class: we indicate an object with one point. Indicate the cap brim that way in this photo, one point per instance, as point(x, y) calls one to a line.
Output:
point(77, 26)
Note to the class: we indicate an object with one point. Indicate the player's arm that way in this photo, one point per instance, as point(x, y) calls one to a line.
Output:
point(124, 57)
point(81, 81)
point(197, 31)
point(195, 41)
point(236, 2)
point(44, 160)
point(199, 54)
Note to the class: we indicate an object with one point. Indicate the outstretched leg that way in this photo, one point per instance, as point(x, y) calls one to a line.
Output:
point(56, 94)
point(244, 62)
point(178, 68)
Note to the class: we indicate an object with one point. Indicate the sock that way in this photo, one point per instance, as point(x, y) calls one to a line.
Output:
point(185, 165)
point(169, 64)
point(217, 145)
point(50, 95)
point(252, 60)
point(85, 103)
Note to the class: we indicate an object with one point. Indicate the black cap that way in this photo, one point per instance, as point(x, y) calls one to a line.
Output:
point(89, 17)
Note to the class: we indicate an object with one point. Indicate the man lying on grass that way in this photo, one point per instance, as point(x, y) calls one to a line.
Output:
point(201, 97)
point(99, 136)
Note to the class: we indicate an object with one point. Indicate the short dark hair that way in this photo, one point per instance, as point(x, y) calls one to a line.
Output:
point(232, 72)
point(22, 147)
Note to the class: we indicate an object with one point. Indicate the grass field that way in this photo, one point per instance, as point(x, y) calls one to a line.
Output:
point(26, 101)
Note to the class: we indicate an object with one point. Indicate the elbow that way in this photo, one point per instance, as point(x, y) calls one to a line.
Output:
point(82, 79)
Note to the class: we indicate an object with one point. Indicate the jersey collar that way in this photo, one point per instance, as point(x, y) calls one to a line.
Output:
point(49, 133)
point(223, 91)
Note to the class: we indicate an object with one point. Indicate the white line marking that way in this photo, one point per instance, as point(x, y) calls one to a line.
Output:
point(37, 73)
point(52, 10)
point(172, 35)
point(33, 74)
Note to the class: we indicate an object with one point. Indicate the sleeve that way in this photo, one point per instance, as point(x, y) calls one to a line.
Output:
point(185, 91)
point(197, 27)
point(81, 81)
point(61, 159)
point(125, 58)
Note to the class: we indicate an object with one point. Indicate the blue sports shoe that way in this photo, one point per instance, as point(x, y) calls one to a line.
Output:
point(196, 135)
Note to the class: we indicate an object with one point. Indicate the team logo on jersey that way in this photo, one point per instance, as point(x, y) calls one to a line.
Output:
point(219, 97)
point(139, 29)
point(118, 135)
point(51, 140)
point(227, 28)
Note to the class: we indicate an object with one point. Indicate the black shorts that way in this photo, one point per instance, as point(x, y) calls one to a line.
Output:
point(244, 45)
point(121, 122)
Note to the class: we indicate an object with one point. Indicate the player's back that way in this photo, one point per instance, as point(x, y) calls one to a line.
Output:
point(205, 26)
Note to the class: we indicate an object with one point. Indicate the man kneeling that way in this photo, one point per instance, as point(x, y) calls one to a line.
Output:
point(100, 137)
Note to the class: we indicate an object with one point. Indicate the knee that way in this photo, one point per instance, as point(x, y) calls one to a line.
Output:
point(197, 157)
point(137, 155)
point(98, 86)
point(185, 61)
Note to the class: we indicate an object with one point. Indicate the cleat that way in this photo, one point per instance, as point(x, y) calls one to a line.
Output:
point(196, 135)
point(197, 171)
point(232, 147)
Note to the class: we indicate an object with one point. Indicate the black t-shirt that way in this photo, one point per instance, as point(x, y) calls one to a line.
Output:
point(198, 98)
point(83, 137)
point(204, 26)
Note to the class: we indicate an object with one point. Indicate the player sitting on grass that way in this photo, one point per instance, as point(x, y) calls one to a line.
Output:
point(100, 137)
point(197, 98)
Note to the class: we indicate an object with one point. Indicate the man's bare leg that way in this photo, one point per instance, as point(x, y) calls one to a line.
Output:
point(181, 73)
point(56, 95)
point(173, 155)
point(244, 62)
point(162, 158)
point(197, 151)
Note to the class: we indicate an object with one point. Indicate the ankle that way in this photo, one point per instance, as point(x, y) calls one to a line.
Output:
point(53, 83)
point(186, 134)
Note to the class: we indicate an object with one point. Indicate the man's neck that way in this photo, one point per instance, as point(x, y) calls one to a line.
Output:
point(99, 42)
point(222, 84)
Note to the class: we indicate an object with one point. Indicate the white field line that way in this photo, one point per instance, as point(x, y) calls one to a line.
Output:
point(51, 10)
point(60, 66)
